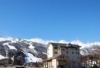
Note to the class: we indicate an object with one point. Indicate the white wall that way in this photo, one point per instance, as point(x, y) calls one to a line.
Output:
point(74, 56)
point(50, 51)
point(54, 63)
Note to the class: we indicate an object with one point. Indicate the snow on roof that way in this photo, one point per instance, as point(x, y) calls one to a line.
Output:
point(10, 47)
point(2, 57)
point(30, 58)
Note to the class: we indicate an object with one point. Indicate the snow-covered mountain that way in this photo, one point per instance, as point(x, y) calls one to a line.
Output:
point(35, 46)
point(9, 46)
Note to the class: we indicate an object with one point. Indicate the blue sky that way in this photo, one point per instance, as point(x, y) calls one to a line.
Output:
point(51, 19)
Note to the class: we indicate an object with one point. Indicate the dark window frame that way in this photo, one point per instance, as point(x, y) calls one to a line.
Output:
point(55, 52)
point(55, 47)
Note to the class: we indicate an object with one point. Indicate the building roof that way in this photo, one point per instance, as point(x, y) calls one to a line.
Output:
point(69, 45)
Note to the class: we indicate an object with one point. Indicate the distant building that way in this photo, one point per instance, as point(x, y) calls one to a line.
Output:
point(61, 55)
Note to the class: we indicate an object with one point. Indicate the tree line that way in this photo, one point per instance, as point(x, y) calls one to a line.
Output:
point(90, 55)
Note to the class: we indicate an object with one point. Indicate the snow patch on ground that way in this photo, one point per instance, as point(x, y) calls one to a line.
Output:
point(2, 57)
point(31, 46)
point(10, 47)
point(30, 58)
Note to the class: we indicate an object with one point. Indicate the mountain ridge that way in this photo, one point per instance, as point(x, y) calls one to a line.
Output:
point(9, 47)
point(36, 46)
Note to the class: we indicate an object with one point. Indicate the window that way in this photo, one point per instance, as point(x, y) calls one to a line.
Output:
point(73, 62)
point(72, 52)
point(77, 57)
point(66, 48)
point(67, 52)
point(55, 52)
point(61, 56)
point(75, 48)
point(55, 47)
point(63, 49)
point(78, 53)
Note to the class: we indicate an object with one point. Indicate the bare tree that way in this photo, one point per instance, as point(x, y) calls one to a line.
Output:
point(96, 52)
point(91, 55)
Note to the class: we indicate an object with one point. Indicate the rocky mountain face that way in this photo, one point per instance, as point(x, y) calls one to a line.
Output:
point(9, 47)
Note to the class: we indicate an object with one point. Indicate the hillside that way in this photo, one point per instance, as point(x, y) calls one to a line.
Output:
point(9, 47)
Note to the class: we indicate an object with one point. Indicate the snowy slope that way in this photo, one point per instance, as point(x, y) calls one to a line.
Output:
point(2, 57)
point(11, 45)
point(35, 46)
point(30, 58)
